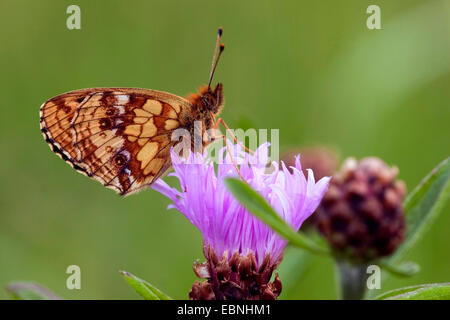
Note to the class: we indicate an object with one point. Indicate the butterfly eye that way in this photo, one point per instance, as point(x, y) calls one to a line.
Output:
point(208, 100)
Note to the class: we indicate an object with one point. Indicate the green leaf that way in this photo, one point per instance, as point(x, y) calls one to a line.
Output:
point(29, 291)
point(405, 269)
point(143, 288)
point(396, 292)
point(424, 204)
point(433, 291)
point(257, 205)
point(295, 263)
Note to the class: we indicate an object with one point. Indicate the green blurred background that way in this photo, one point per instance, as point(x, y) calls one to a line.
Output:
point(310, 68)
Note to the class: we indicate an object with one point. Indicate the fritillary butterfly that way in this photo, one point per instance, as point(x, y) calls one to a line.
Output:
point(121, 137)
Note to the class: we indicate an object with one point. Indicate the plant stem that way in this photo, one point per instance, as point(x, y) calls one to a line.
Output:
point(352, 280)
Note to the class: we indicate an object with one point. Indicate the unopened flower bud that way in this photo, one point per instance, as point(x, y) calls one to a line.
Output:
point(361, 214)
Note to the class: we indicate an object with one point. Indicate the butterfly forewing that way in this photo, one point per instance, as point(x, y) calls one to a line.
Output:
point(118, 136)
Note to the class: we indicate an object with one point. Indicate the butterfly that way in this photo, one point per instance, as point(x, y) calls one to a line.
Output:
point(121, 137)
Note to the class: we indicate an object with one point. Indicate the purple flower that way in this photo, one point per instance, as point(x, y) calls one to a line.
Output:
point(236, 242)
point(225, 225)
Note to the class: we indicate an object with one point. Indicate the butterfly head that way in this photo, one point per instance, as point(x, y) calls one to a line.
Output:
point(212, 100)
point(207, 102)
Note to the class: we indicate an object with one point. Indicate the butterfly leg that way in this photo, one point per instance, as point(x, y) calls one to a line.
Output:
point(232, 159)
point(222, 136)
point(221, 121)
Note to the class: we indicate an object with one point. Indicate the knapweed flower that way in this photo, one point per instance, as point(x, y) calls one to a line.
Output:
point(361, 215)
point(323, 161)
point(241, 251)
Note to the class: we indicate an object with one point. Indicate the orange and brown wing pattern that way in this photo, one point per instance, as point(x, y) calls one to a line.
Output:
point(118, 136)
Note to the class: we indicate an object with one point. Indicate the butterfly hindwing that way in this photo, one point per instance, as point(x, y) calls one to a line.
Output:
point(118, 136)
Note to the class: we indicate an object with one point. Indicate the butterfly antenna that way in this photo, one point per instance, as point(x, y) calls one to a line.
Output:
point(219, 47)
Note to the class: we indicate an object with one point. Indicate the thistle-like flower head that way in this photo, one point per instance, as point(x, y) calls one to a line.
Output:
point(228, 229)
point(361, 215)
